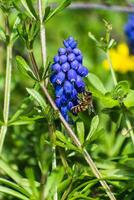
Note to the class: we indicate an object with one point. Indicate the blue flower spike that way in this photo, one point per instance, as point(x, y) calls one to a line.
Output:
point(67, 77)
point(129, 31)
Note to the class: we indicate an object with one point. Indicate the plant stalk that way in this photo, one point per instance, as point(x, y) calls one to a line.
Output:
point(42, 34)
point(6, 96)
point(78, 144)
point(68, 128)
point(129, 126)
point(111, 69)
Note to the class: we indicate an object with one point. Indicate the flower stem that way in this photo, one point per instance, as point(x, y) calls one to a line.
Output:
point(111, 69)
point(42, 34)
point(6, 96)
point(78, 144)
point(129, 126)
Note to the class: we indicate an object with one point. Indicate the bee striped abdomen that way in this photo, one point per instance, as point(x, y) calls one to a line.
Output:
point(84, 103)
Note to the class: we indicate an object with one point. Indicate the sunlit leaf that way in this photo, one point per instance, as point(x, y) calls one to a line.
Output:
point(62, 6)
point(36, 95)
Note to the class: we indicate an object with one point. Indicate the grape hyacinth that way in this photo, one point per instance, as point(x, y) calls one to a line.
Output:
point(129, 31)
point(67, 76)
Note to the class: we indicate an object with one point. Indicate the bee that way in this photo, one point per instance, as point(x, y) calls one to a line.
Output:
point(84, 104)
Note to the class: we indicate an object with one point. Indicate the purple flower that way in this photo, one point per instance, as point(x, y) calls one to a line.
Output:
point(74, 64)
point(56, 67)
point(56, 59)
point(63, 59)
point(60, 77)
point(67, 77)
point(80, 85)
point(72, 75)
point(58, 90)
point(65, 67)
point(79, 58)
point(62, 51)
point(82, 71)
point(71, 57)
point(70, 105)
point(68, 87)
point(129, 31)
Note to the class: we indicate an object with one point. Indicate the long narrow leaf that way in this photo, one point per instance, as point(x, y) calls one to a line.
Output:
point(36, 95)
point(63, 5)
point(12, 193)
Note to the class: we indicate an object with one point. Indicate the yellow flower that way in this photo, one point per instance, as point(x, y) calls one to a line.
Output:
point(121, 60)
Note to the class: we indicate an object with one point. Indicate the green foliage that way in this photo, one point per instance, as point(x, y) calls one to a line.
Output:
point(39, 160)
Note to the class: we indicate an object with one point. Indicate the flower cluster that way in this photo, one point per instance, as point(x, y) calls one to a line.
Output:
point(121, 60)
point(67, 76)
point(129, 31)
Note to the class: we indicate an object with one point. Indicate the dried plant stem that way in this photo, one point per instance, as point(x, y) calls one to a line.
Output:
point(78, 144)
point(6, 96)
point(129, 126)
point(42, 34)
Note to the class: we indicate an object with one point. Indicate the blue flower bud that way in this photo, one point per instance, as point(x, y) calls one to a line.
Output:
point(58, 102)
point(69, 50)
point(76, 51)
point(56, 67)
point(63, 59)
point(82, 71)
point(58, 90)
point(74, 94)
point(65, 67)
point(60, 77)
point(64, 100)
point(53, 78)
point(70, 39)
point(64, 110)
point(68, 87)
point(66, 43)
point(71, 57)
point(70, 105)
point(79, 58)
point(74, 64)
point(56, 59)
point(73, 44)
point(80, 85)
point(62, 51)
point(72, 75)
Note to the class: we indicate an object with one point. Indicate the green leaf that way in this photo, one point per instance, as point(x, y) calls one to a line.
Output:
point(13, 174)
point(106, 100)
point(47, 12)
point(94, 127)
point(52, 182)
point(14, 33)
point(129, 100)
point(2, 35)
point(30, 9)
point(80, 131)
point(14, 186)
point(32, 183)
point(96, 82)
point(12, 193)
point(9, 171)
point(24, 67)
point(121, 90)
point(36, 95)
point(25, 120)
point(92, 37)
point(65, 142)
point(63, 5)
